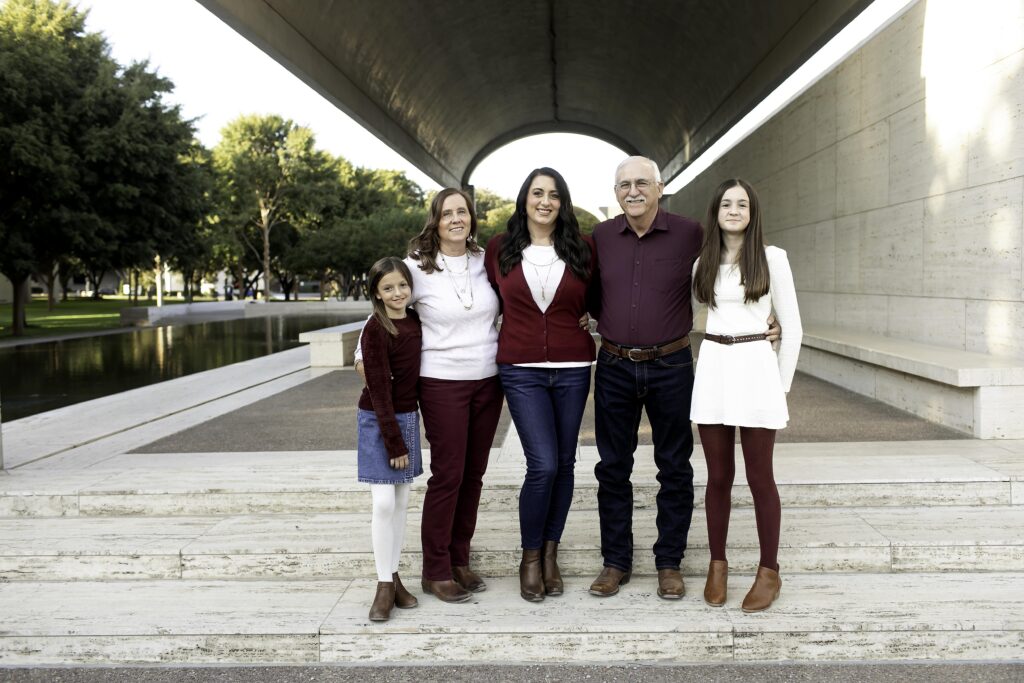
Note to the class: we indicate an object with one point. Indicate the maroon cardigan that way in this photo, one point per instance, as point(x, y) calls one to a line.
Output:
point(529, 336)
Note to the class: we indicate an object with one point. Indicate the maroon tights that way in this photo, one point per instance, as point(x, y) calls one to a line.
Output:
point(719, 451)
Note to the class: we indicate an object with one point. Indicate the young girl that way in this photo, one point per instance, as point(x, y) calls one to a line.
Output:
point(389, 439)
point(740, 382)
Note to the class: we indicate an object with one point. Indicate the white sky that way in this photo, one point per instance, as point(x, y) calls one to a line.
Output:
point(219, 75)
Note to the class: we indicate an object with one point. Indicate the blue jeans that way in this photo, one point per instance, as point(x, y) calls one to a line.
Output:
point(622, 388)
point(547, 407)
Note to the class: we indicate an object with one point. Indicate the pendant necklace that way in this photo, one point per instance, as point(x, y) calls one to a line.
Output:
point(467, 284)
point(547, 273)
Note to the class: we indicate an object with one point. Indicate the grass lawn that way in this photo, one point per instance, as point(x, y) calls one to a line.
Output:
point(71, 316)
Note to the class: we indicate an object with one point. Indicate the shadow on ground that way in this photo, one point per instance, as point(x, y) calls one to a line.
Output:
point(321, 415)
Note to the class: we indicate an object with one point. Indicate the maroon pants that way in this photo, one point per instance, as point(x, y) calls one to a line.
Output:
point(720, 453)
point(459, 419)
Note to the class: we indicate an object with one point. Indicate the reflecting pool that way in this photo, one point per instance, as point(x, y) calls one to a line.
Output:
point(35, 378)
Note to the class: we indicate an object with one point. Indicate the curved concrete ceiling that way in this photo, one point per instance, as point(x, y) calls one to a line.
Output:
point(445, 83)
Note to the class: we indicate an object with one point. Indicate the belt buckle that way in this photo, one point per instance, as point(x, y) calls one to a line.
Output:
point(728, 339)
point(629, 354)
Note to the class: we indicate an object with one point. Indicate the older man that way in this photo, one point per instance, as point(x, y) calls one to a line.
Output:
point(645, 258)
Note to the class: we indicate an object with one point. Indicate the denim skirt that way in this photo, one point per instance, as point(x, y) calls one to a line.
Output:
point(374, 462)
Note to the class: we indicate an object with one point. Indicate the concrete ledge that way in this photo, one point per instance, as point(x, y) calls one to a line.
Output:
point(333, 346)
point(972, 392)
point(147, 315)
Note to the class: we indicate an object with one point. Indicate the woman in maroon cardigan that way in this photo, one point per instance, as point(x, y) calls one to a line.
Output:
point(540, 268)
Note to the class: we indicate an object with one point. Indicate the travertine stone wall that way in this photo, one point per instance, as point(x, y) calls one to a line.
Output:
point(896, 183)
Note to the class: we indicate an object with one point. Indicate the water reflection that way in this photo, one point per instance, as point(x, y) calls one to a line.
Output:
point(40, 377)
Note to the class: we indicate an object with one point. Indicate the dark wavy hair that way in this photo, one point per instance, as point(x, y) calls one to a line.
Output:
point(424, 246)
point(753, 263)
point(388, 264)
point(568, 241)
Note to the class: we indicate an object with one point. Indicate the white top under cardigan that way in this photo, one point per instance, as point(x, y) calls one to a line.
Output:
point(543, 282)
point(746, 384)
point(458, 344)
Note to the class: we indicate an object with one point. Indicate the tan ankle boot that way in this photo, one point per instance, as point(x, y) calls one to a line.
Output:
point(403, 598)
point(549, 568)
point(766, 588)
point(383, 601)
point(715, 587)
point(531, 582)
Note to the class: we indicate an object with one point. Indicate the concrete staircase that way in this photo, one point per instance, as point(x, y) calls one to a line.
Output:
point(909, 550)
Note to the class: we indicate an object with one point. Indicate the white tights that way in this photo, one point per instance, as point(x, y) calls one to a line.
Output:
point(390, 503)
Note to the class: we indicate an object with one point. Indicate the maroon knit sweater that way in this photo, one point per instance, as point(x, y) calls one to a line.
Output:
point(529, 336)
point(392, 367)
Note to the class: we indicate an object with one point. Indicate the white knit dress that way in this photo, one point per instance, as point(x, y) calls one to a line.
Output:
point(745, 384)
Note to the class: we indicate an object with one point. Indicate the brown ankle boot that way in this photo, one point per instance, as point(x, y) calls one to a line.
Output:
point(403, 598)
point(715, 588)
point(549, 568)
point(765, 590)
point(383, 601)
point(531, 582)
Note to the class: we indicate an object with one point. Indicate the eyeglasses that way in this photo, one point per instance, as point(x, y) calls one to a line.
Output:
point(642, 184)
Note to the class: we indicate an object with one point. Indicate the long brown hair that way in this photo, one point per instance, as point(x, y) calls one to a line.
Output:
point(753, 263)
point(569, 244)
point(388, 264)
point(424, 246)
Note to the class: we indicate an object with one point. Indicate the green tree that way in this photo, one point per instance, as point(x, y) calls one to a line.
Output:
point(271, 175)
point(48, 65)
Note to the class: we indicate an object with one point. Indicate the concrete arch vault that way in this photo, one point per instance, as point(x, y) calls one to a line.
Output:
point(446, 83)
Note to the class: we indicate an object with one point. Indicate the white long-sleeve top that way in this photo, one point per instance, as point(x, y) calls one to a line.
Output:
point(458, 343)
point(745, 384)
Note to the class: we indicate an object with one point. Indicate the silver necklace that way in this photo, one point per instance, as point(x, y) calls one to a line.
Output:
point(547, 273)
point(467, 284)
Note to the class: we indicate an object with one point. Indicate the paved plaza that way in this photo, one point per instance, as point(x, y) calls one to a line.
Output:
point(216, 519)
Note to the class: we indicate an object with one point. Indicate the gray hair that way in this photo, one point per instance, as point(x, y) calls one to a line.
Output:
point(649, 162)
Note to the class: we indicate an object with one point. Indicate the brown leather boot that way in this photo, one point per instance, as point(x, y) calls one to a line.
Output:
point(549, 568)
point(446, 591)
point(715, 588)
point(383, 601)
point(670, 584)
point(766, 588)
point(468, 579)
point(403, 598)
point(531, 582)
point(608, 581)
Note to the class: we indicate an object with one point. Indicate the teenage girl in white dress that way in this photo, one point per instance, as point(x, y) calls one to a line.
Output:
point(741, 381)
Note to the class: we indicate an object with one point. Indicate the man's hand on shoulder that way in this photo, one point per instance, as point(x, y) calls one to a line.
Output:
point(774, 329)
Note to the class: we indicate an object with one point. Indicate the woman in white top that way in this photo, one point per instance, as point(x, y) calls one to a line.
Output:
point(740, 380)
point(459, 390)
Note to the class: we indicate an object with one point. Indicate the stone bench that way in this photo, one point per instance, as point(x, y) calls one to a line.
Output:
point(333, 347)
point(972, 392)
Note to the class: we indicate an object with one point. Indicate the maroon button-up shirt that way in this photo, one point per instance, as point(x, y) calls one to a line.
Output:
point(645, 281)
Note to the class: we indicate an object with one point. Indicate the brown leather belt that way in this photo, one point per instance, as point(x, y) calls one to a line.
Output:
point(642, 353)
point(729, 339)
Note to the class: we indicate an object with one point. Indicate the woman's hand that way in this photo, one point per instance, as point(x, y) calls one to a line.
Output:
point(585, 321)
point(400, 463)
point(361, 370)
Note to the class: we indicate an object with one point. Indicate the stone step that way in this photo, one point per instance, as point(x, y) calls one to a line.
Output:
point(311, 482)
point(817, 617)
point(337, 545)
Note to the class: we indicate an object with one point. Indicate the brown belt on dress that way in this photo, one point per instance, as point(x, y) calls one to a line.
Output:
point(729, 339)
point(642, 353)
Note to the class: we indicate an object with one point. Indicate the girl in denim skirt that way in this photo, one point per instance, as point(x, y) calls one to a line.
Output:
point(389, 438)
